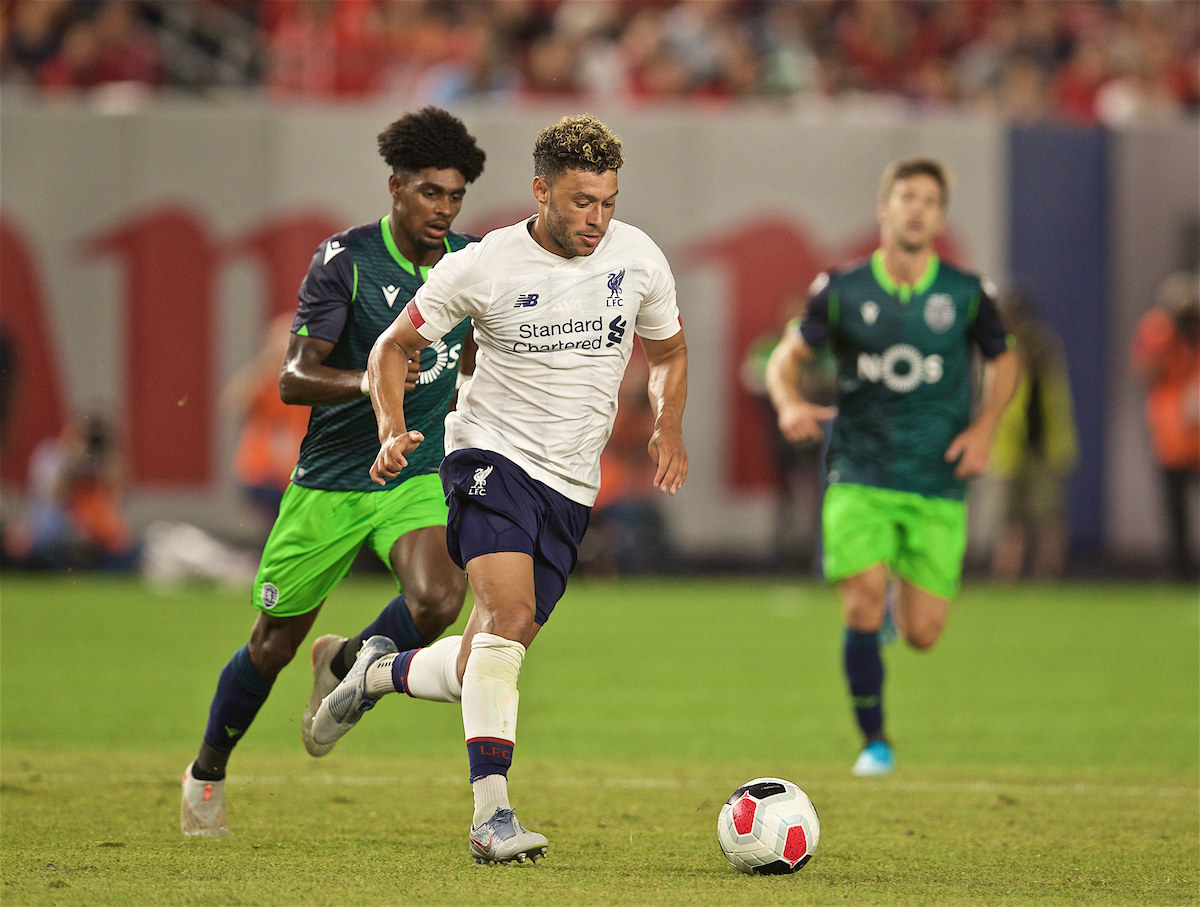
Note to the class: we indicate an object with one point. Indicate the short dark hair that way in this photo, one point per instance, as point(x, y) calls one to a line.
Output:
point(579, 142)
point(906, 167)
point(431, 138)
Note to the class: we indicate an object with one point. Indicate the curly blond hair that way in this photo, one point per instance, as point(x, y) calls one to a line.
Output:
point(579, 142)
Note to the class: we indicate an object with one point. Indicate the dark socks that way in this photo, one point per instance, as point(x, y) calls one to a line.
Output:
point(864, 671)
point(395, 622)
point(241, 691)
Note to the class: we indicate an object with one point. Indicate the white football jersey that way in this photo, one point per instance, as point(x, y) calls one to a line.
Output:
point(554, 337)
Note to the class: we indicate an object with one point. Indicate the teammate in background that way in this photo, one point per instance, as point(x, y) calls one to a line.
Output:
point(555, 302)
point(901, 327)
point(356, 283)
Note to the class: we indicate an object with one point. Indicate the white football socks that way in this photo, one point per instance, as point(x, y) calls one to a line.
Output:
point(489, 705)
point(432, 673)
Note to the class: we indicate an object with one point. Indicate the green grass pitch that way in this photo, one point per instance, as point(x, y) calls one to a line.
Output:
point(1047, 753)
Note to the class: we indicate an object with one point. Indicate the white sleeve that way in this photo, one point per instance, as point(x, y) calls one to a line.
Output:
point(453, 291)
point(658, 316)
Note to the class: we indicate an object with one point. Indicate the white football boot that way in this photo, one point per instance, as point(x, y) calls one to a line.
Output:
point(341, 709)
point(502, 839)
point(202, 808)
point(324, 650)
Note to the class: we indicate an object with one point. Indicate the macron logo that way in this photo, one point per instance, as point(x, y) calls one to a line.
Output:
point(390, 293)
point(332, 249)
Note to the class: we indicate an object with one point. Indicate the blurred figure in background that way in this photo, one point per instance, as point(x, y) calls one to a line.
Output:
point(801, 478)
point(1166, 358)
point(1034, 451)
point(627, 533)
point(271, 430)
point(72, 517)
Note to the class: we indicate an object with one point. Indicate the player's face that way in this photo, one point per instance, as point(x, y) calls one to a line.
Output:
point(575, 210)
point(912, 214)
point(424, 205)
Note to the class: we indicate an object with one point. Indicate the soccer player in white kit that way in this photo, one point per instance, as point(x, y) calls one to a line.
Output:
point(555, 302)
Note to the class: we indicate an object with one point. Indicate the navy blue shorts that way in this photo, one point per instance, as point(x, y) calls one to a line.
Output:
point(495, 506)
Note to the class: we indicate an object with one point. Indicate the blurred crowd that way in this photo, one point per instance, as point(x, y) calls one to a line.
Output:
point(1084, 61)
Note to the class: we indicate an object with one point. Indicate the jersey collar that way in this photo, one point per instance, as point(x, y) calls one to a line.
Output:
point(385, 224)
point(904, 291)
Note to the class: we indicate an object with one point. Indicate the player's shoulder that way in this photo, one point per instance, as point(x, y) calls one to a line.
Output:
point(956, 277)
point(841, 277)
point(459, 241)
point(628, 241)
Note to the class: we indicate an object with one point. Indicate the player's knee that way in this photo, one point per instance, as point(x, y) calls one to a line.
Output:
point(435, 602)
point(923, 634)
point(271, 653)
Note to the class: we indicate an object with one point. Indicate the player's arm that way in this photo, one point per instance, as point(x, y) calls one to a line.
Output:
point(799, 420)
point(387, 370)
point(668, 393)
point(972, 447)
point(306, 381)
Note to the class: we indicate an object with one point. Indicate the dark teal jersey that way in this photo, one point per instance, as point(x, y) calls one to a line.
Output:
point(357, 284)
point(904, 370)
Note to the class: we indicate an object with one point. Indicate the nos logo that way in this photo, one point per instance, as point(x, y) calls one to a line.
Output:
point(616, 332)
point(443, 357)
point(901, 368)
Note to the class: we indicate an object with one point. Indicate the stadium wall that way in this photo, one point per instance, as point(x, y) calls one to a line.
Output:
point(147, 249)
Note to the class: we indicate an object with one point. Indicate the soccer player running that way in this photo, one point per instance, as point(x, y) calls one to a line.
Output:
point(555, 302)
point(901, 327)
point(356, 283)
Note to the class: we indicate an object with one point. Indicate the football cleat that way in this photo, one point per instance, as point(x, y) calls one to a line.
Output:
point(324, 650)
point(875, 759)
point(202, 807)
point(341, 709)
point(502, 839)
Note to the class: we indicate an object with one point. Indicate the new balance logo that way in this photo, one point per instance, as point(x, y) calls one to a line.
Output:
point(481, 477)
point(332, 250)
point(390, 293)
point(526, 301)
point(616, 332)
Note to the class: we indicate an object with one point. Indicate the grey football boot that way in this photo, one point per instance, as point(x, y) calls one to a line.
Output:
point(341, 709)
point(502, 839)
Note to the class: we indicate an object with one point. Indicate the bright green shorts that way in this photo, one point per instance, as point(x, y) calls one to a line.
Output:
point(922, 538)
point(319, 533)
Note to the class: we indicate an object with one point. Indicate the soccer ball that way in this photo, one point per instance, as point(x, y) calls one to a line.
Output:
point(768, 827)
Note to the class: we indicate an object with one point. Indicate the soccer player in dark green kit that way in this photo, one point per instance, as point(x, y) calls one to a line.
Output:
point(901, 327)
point(357, 283)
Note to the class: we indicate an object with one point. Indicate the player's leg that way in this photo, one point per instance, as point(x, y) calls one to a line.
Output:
point(410, 537)
point(929, 564)
point(306, 555)
point(409, 534)
point(860, 542)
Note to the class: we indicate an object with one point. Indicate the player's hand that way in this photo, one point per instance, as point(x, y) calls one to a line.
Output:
point(970, 449)
point(414, 373)
point(391, 457)
point(671, 459)
point(800, 421)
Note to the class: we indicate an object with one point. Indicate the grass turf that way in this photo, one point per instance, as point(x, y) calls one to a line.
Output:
point(1047, 753)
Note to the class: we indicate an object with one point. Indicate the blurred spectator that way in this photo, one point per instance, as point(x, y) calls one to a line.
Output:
point(1034, 452)
point(1107, 61)
point(72, 515)
point(33, 34)
point(1166, 357)
point(627, 533)
point(797, 529)
point(269, 444)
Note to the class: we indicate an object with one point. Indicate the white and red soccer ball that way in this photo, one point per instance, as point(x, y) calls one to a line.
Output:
point(768, 827)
